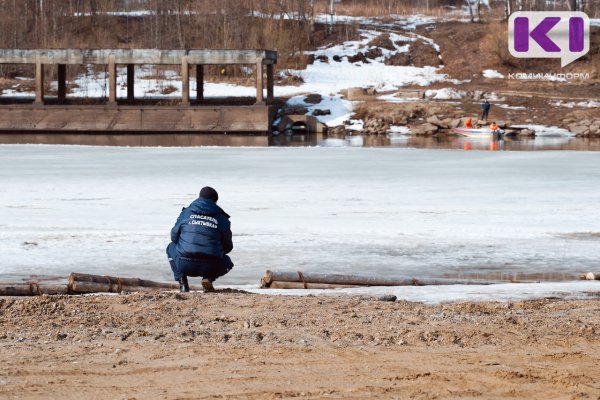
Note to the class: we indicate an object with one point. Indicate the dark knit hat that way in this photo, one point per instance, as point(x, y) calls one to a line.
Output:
point(209, 193)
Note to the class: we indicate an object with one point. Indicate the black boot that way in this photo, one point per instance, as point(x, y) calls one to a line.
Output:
point(207, 285)
point(183, 284)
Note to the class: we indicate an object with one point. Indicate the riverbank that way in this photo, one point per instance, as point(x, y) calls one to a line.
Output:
point(237, 345)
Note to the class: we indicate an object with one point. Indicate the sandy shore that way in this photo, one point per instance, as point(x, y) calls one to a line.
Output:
point(235, 345)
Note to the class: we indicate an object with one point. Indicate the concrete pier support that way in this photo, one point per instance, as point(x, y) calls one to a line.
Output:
point(185, 81)
point(39, 83)
point(130, 83)
point(62, 83)
point(270, 84)
point(112, 81)
point(259, 83)
point(199, 83)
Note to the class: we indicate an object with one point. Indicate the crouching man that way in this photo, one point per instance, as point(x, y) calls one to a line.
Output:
point(200, 241)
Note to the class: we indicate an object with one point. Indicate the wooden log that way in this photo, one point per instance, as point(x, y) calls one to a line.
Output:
point(520, 277)
point(301, 285)
point(87, 283)
point(117, 281)
point(590, 276)
point(99, 287)
point(357, 280)
point(96, 287)
point(266, 280)
point(32, 289)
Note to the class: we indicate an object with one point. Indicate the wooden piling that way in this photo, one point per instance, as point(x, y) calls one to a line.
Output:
point(199, 83)
point(62, 83)
point(259, 83)
point(270, 84)
point(185, 81)
point(112, 80)
point(39, 83)
point(130, 83)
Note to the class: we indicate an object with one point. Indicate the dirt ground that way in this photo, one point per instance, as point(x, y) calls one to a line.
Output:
point(236, 345)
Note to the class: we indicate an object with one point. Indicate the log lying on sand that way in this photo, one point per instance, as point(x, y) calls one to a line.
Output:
point(33, 288)
point(86, 283)
point(300, 280)
point(305, 285)
point(518, 276)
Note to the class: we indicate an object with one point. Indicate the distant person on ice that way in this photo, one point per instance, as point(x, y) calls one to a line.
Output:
point(485, 107)
point(200, 242)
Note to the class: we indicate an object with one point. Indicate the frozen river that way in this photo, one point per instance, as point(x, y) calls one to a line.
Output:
point(383, 211)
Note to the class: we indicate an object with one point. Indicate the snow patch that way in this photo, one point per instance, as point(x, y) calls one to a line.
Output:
point(410, 22)
point(350, 141)
point(511, 107)
point(400, 130)
point(341, 110)
point(332, 76)
point(493, 97)
point(355, 125)
point(548, 131)
point(445, 94)
point(573, 104)
point(393, 98)
point(491, 73)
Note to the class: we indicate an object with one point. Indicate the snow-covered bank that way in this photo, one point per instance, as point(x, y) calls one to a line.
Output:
point(381, 211)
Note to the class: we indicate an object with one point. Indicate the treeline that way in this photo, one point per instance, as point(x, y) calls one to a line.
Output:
point(285, 25)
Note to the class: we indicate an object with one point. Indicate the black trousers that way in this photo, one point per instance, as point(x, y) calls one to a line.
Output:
point(210, 268)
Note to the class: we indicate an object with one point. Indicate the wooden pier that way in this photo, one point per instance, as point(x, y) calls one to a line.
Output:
point(111, 115)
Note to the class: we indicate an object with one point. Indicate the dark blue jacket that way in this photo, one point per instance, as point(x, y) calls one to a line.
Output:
point(202, 230)
point(485, 106)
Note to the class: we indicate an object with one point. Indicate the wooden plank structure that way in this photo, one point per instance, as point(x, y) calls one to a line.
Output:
point(301, 280)
point(122, 115)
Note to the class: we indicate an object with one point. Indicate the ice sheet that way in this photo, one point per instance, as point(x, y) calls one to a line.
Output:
point(371, 210)
point(456, 293)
